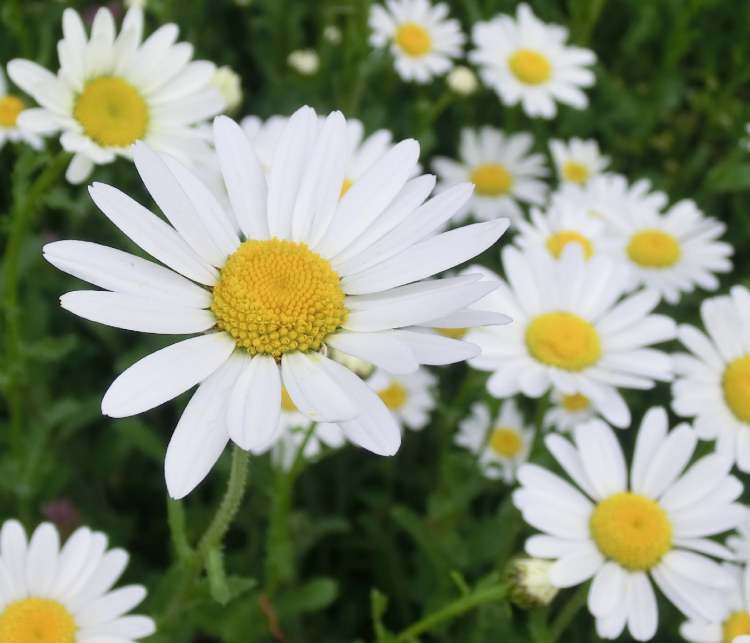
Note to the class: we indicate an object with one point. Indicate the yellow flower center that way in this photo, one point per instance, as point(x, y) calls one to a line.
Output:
point(276, 296)
point(530, 67)
point(564, 340)
point(112, 112)
point(394, 396)
point(632, 530)
point(413, 39)
point(575, 402)
point(492, 179)
point(575, 172)
point(286, 401)
point(10, 108)
point(453, 333)
point(557, 242)
point(506, 442)
point(345, 186)
point(37, 620)
point(736, 625)
point(736, 385)
point(654, 249)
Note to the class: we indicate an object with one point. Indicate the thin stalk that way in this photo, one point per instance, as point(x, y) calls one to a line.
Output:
point(567, 613)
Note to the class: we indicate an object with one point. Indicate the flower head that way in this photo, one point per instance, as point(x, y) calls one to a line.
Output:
point(409, 397)
point(577, 161)
point(529, 582)
point(11, 108)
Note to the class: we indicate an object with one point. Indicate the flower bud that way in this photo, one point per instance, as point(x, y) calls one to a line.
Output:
point(529, 582)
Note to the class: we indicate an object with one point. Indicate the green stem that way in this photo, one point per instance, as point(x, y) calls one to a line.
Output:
point(177, 529)
point(452, 610)
point(567, 613)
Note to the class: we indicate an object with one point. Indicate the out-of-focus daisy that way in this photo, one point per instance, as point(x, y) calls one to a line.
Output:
point(304, 61)
point(529, 62)
point(501, 443)
point(422, 38)
point(656, 526)
point(671, 253)
point(462, 80)
point(288, 270)
point(577, 161)
point(11, 107)
point(568, 410)
point(115, 89)
point(409, 397)
point(712, 383)
point(573, 332)
point(64, 594)
point(502, 170)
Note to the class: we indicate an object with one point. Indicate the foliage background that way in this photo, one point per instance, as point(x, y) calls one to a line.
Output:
point(670, 104)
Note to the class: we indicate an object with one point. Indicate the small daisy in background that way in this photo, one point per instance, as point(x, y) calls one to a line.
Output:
point(423, 40)
point(567, 411)
point(712, 381)
point(65, 594)
point(410, 398)
point(115, 89)
point(306, 62)
point(11, 107)
point(626, 532)
point(577, 160)
point(529, 62)
point(501, 443)
point(503, 170)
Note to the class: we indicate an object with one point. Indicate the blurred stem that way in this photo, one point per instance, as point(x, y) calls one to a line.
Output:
point(176, 520)
point(567, 613)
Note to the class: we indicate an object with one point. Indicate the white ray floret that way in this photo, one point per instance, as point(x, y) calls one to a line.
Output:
point(11, 108)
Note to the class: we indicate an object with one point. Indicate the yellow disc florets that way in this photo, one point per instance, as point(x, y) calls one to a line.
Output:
point(10, 108)
point(632, 530)
point(37, 620)
point(575, 172)
point(654, 249)
point(736, 385)
point(563, 340)
point(394, 396)
point(556, 243)
point(738, 624)
point(505, 442)
point(112, 112)
point(575, 402)
point(530, 67)
point(275, 297)
point(413, 39)
point(492, 179)
point(453, 333)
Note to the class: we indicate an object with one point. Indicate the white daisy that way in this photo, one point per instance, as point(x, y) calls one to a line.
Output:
point(115, 89)
point(572, 331)
point(410, 397)
point(11, 107)
point(529, 62)
point(568, 410)
point(64, 594)
point(671, 253)
point(577, 161)
point(501, 444)
point(712, 382)
point(268, 284)
point(626, 533)
point(502, 169)
point(422, 38)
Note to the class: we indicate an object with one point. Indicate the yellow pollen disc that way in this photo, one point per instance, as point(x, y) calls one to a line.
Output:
point(736, 385)
point(557, 242)
point(413, 39)
point(505, 442)
point(37, 620)
point(564, 340)
point(654, 249)
point(345, 187)
point(736, 625)
point(575, 402)
point(575, 172)
point(10, 108)
point(632, 530)
point(530, 67)
point(453, 333)
point(276, 296)
point(492, 179)
point(286, 402)
point(394, 396)
point(112, 112)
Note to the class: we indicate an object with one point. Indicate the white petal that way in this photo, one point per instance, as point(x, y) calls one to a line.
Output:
point(607, 589)
point(73, 558)
point(107, 573)
point(576, 567)
point(14, 548)
point(41, 561)
point(602, 457)
point(668, 461)
point(384, 350)
point(110, 606)
point(433, 349)
point(643, 616)
point(651, 435)
point(79, 169)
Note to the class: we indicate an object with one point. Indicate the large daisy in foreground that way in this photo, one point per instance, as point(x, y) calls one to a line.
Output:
point(288, 270)
point(115, 89)
point(625, 532)
point(53, 594)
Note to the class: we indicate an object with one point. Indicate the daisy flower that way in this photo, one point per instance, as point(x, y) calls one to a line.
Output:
point(115, 89)
point(11, 107)
point(502, 170)
point(567, 411)
point(501, 443)
point(711, 383)
point(409, 397)
point(627, 533)
point(423, 39)
point(577, 161)
point(671, 253)
point(269, 283)
point(61, 594)
point(572, 331)
point(529, 62)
